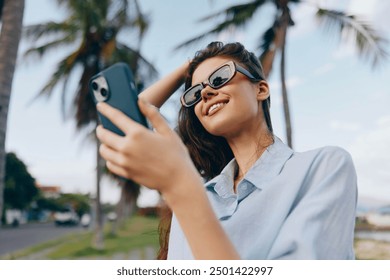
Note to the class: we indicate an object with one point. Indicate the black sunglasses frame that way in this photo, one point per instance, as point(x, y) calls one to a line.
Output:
point(234, 69)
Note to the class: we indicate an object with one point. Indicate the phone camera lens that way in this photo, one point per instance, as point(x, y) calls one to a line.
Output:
point(103, 92)
point(95, 85)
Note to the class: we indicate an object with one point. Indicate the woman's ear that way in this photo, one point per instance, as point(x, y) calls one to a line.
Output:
point(263, 90)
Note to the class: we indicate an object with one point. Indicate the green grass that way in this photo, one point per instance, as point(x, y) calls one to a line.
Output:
point(137, 233)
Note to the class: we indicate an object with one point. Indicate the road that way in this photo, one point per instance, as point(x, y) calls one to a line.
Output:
point(14, 239)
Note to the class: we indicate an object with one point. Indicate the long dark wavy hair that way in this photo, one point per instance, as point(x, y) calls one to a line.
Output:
point(209, 153)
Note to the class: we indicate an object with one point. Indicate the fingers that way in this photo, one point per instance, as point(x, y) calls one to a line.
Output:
point(107, 137)
point(155, 118)
point(115, 161)
point(110, 155)
point(118, 170)
point(118, 118)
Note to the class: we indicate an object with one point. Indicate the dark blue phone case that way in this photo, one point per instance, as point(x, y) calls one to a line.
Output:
point(122, 94)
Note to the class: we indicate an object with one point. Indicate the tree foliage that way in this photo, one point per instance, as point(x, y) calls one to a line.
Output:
point(20, 189)
point(11, 17)
point(92, 28)
point(77, 202)
point(1, 8)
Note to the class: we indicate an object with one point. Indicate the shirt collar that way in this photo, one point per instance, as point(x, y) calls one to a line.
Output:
point(270, 164)
point(266, 168)
point(223, 182)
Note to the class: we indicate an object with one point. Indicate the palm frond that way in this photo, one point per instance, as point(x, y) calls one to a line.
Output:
point(267, 39)
point(85, 110)
point(369, 43)
point(267, 50)
point(52, 28)
point(141, 21)
point(128, 54)
point(241, 12)
point(237, 16)
point(63, 96)
point(43, 49)
point(193, 40)
point(93, 25)
point(219, 28)
point(61, 74)
point(118, 13)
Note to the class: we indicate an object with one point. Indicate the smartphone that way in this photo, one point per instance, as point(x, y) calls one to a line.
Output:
point(115, 86)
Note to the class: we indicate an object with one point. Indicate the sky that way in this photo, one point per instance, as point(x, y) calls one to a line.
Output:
point(335, 98)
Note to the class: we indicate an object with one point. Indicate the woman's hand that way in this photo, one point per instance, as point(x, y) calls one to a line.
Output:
point(156, 159)
point(160, 91)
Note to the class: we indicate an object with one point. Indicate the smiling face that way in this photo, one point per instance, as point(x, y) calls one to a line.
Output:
point(232, 109)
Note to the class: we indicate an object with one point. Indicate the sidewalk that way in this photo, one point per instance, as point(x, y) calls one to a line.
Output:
point(368, 249)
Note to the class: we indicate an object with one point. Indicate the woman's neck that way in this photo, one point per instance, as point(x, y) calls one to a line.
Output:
point(247, 148)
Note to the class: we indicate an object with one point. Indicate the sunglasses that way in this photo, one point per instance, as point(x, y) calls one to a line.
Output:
point(217, 79)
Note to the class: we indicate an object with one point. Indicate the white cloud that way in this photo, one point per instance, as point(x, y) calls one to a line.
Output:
point(275, 88)
point(304, 17)
point(384, 121)
point(291, 83)
point(374, 145)
point(371, 154)
point(148, 198)
point(344, 125)
point(326, 68)
point(231, 35)
point(332, 4)
point(363, 7)
point(381, 15)
point(345, 50)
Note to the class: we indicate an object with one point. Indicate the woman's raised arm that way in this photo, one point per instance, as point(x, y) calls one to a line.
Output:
point(160, 91)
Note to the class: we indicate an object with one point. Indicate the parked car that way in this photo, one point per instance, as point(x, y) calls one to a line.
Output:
point(66, 218)
point(85, 220)
point(15, 217)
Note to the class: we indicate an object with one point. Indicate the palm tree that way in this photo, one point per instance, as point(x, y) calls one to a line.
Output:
point(92, 27)
point(11, 17)
point(273, 41)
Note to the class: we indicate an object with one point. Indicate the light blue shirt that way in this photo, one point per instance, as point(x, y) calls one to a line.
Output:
point(290, 205)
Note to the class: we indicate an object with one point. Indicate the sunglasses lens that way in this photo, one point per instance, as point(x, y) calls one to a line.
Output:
point(192, 95)
point(216, 80)
point(221, 76)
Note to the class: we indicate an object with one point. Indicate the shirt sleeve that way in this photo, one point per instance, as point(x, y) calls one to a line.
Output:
point(321, 221)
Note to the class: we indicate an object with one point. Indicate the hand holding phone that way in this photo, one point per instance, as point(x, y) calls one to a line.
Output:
point(115, 86)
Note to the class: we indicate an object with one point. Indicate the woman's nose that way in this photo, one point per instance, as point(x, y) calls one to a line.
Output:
point(208, 92)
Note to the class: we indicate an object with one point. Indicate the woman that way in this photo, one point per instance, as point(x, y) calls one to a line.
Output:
point(261, 200)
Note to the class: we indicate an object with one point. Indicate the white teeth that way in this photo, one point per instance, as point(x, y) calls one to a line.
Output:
point(214, 107)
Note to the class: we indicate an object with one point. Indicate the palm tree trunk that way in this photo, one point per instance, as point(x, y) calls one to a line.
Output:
point(130, 190)
point(98, 240)
point(12, 18)
point(286, 107)
point(127, 204)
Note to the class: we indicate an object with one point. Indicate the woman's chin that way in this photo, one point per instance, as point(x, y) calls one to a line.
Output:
point(219, 129)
